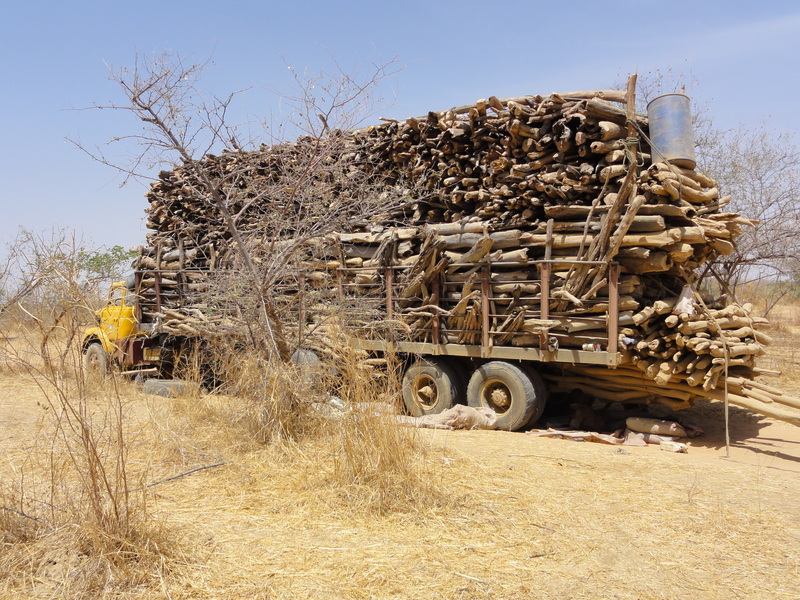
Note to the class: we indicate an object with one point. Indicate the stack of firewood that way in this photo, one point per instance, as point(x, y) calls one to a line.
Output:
point(498, 188)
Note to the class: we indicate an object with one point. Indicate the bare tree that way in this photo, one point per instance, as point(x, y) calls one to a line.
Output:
point(183, 125)
point(52, 284)
point(760, 171)
point(337, 99)
point(50, 268)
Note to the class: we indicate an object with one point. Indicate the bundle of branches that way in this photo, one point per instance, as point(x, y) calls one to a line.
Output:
point(497, 186)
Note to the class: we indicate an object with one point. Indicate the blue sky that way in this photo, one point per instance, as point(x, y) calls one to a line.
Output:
point(53, 56)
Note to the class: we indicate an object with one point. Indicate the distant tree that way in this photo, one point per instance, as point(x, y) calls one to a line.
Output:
point(760, 171)
point(105, 264)
point(55, 268)
point(50, 286)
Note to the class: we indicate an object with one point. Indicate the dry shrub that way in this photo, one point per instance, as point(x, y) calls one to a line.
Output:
point(336, 416)
point(75, 514)
point(785, 317)
point(378, 466)
point(71, 553)
point(279, 400)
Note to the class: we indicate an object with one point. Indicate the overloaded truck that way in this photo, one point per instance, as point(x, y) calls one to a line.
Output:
point(551, 246)
point(474, 363)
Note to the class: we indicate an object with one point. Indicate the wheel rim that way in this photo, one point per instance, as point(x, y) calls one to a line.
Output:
point(496, 394)
point(424, 391)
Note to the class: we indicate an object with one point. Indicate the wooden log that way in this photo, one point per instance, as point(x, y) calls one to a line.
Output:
point(454, 228)
point(652, 240)
point(400, 233)
point(768, 410)
point(722, 322)
point(497, 276)
point(655, 262)
point(530, 289)
point(610, 95)
point(500, 239)
point(605, 110)
point(626, 303)
point(735, 350)
point(611, 131)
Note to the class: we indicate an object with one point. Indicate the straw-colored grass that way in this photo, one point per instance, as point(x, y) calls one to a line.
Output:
point(525, 518)
point(75, 520)
point(784, 353)
point(520, 517)
point(346, 505)
point(74, 516)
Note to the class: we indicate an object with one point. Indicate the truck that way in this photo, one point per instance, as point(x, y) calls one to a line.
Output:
point(551, 249)
point(489, 371)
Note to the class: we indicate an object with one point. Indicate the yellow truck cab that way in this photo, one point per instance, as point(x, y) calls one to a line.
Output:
point(123, 339)
point(114, 338)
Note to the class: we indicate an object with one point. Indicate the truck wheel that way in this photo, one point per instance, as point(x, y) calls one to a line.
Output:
point(95, 360)
point(429, 387)
point(509, 391)
point(311, 367)
point(541, 393)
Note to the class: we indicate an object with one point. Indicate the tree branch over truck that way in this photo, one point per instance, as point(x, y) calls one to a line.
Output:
point(183, 125)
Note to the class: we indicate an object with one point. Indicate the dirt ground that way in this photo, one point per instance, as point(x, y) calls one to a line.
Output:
point(523, 517)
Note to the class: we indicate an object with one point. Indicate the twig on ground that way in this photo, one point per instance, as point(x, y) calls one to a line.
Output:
point(179, 475)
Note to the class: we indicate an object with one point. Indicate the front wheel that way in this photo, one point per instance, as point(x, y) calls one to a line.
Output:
point(509, 391)
point(95, 359)
point(429, 387)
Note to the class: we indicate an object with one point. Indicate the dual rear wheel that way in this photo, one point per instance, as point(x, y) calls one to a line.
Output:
point(430, 386)
point(515, 392)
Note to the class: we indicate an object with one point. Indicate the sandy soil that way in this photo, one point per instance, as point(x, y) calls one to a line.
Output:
point(529, 517)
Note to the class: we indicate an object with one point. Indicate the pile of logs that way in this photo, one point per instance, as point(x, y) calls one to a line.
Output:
point(511, 201)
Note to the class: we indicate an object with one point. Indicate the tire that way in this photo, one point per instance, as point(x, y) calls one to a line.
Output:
point(313, 372)
point(514, 394)
point(459, 377)
point(306, 358)
point(430, 386)
point(95, 360)
point(540, 388)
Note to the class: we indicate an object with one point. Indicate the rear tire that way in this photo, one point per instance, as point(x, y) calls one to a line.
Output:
point(429, 387)
point(95, 359)
point(541, 392)
point(510, 391)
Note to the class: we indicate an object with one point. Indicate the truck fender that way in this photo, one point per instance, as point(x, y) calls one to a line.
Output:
point(96, 334)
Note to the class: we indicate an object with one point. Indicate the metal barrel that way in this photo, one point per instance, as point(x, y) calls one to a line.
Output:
point(671, 130)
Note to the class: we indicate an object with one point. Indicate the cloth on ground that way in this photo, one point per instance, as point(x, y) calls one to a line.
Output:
point(457, 417)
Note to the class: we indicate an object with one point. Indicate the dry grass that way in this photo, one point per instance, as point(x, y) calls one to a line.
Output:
point(339, 422)
point(74, 515)
point(343, 504)
point(75, 520)
point(524, 517)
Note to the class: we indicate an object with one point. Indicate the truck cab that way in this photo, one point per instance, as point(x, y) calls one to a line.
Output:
point(117, 337)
